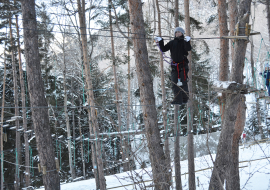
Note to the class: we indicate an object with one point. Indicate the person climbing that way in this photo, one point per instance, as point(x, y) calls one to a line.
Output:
point(179, 48)
point(266, 75)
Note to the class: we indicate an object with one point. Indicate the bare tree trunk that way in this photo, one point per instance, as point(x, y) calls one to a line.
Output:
point(224, 50)
point(16, 104)
point(232, 6)
point(176, 13)
point(164, 105)
point(81, 141)
point(123, 144)
point(69, 138)
point(27, 159)
point(268, 16)
point(224, 157)
point(130, 165)
point(191, 166)
point(39, 105)
point(224, 43)
point(157, 156)
point(254, 83)
point(258, 110)
point(2, 122)
point(93, 112)
point(234, 181)
point(177, 166)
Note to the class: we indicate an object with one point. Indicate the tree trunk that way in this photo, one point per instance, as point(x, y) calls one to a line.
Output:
point(157, 156)
point(39, 105)
point(177, 166)
point(92, 112)
point(27, 159)
point(164, 105)
point(232, 6)
point(224, 50)
point(176, 13)
point(81, 141)
point(130, 164)
point(268, 17)
point(224, 43)
point(224, 157)
point(258, 110)
point(234, 181)
point(191, 166)
point(69, 138)
point(2, 122)
point(122, 140)
point(18, 135)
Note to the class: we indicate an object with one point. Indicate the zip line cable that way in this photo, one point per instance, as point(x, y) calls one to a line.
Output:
point(132, 37)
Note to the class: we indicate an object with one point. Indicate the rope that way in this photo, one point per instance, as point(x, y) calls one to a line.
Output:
point(164, 56)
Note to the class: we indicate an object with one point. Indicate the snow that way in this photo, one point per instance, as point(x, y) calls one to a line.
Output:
point(254, 167)
point(222, 84)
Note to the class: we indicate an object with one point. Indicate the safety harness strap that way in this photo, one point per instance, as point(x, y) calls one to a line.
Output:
point(183, 62)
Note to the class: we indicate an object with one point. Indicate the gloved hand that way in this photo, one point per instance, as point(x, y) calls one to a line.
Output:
point(157, 39)
point(187, 38)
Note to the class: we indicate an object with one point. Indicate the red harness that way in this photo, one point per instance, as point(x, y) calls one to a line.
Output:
point(183, 62)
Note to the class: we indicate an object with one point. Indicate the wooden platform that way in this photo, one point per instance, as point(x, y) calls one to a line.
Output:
point(231, 87)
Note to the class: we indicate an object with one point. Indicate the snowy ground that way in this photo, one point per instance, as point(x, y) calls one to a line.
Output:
point(254, 172)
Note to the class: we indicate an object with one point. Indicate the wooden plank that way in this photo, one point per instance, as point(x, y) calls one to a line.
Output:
point(236, 37)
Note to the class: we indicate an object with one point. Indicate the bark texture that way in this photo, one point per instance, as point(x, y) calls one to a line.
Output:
point(26, 143)
point(232, 6)
point(92, 114)
point(157, 156)
point(268, 16)
point(191, 166)
point(177, 166)
point(2, 121)
point(234, 181)
point(164, 104)
point(224, 157)
point(15, 90)
point(224, 49)
point(39, 105)
point(176, 13)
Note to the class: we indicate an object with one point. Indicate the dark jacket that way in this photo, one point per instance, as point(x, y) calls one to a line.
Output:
point(178, 47)
point(266, 75)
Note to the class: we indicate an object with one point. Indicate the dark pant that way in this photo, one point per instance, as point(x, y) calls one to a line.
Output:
point(180, 92)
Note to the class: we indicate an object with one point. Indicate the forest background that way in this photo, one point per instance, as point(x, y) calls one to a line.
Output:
point(112, 64)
